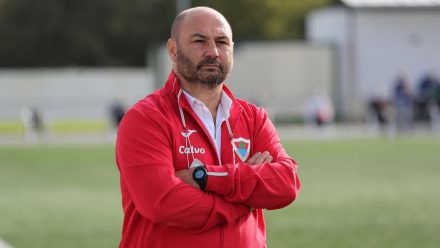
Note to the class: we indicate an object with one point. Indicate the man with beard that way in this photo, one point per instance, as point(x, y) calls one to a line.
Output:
point(197, 165)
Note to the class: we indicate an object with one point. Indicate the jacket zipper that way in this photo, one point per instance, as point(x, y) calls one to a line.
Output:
point(197, 120)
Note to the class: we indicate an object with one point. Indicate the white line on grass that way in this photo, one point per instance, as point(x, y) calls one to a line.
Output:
point(3, 244)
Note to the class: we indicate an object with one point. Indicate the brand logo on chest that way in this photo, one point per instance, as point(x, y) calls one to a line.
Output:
point(189, 149)
point(188, 133)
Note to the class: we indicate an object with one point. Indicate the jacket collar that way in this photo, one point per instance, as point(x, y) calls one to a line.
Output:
point(173, 87)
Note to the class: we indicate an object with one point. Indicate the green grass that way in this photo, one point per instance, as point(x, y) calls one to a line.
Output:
point(80, 126)
point(59, 126)
point(370, 193)
point(355, 193)
point(11, 127)
point(64, 196)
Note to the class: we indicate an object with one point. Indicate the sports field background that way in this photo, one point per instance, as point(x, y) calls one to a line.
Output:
point(355, 193)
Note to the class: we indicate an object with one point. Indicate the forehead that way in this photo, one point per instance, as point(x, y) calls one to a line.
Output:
point(208, 24)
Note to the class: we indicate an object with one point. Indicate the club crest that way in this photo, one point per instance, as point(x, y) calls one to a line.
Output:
point(242, 148)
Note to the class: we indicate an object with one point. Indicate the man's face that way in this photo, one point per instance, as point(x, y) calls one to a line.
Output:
point(204, 50)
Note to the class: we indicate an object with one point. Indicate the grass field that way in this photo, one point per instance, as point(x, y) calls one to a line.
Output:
point(356, 193)
point(59, 126)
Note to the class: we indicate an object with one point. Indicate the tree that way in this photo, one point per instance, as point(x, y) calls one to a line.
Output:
point(117, 33)
point(265, 19)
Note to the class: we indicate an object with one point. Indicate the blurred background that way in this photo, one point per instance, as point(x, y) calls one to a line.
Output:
point(68, 66)
point(350, 85)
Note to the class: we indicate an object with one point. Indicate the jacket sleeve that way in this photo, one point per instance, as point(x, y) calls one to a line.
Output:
point(271, 185)
point(144, 157)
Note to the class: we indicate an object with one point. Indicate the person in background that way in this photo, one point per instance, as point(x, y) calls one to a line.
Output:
point(117, 112)
point(434, 105)
point(318, 109)
point(403, 103)
point(425, 94)
point(33, 123)
point(379, 113)
point(197, 165)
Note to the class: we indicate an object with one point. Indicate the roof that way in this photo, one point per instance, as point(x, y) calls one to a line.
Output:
point(391, 3)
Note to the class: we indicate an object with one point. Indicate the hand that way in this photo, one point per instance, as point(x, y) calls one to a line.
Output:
point(186, 176)
point(260, 158)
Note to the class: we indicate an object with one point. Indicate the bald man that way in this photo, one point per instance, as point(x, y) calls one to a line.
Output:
point(197, 165)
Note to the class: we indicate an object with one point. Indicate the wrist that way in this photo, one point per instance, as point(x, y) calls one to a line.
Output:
point(200, 176)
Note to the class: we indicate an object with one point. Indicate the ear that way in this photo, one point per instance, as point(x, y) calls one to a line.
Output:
point(172, 49)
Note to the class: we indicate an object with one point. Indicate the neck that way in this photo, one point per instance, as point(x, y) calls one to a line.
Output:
point(209, 96)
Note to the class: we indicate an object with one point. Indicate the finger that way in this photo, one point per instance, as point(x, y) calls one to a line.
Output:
point(263, 158)
point(251, 161)
point(268, 158)
point(260, 159)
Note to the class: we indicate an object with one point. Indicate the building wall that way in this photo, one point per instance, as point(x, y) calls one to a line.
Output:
point(392, 42)
point(333, 26)
point(374, 45)
point(71, 93)
point(282, 75)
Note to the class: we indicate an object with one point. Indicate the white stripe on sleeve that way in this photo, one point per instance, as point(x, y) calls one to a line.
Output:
point(217, 174)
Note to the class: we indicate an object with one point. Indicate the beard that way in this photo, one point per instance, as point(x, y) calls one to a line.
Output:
point(195, 73)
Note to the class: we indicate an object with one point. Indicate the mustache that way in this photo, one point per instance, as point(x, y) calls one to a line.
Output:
point(210, 61)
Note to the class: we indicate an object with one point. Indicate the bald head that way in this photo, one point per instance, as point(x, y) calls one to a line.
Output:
point(205, 12)
point(201, 47)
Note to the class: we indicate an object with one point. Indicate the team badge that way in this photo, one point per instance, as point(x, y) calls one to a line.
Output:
point(242, 148)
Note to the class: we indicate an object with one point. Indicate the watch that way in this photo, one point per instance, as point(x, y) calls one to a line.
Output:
point(200, 175)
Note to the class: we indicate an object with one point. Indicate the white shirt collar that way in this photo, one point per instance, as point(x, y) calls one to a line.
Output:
point(225, 103)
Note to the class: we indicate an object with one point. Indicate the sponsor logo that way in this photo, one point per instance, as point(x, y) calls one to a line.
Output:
point(188, 133)
point(242, 147)
point(191, 150)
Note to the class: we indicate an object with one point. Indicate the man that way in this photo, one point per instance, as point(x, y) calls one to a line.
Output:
point(197, 165)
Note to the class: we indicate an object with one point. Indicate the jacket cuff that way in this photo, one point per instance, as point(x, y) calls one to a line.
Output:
point(217, 179)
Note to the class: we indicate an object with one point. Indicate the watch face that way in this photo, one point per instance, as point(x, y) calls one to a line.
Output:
point(200, 174)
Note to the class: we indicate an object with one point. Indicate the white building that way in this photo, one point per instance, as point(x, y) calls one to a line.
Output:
point(71, 93)
point(375, 40)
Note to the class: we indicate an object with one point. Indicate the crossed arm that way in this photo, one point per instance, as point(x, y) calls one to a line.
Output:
point(267, 180)
point(257, 158)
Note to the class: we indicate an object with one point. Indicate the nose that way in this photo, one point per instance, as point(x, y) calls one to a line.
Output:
point(211, 49)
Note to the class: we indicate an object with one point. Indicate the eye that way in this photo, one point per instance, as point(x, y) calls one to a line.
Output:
point(224, 42)
point(199, 41)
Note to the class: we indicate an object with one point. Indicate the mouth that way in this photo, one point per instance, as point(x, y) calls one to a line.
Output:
point(210, 67)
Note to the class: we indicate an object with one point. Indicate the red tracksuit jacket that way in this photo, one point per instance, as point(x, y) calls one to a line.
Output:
point(160, 210)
